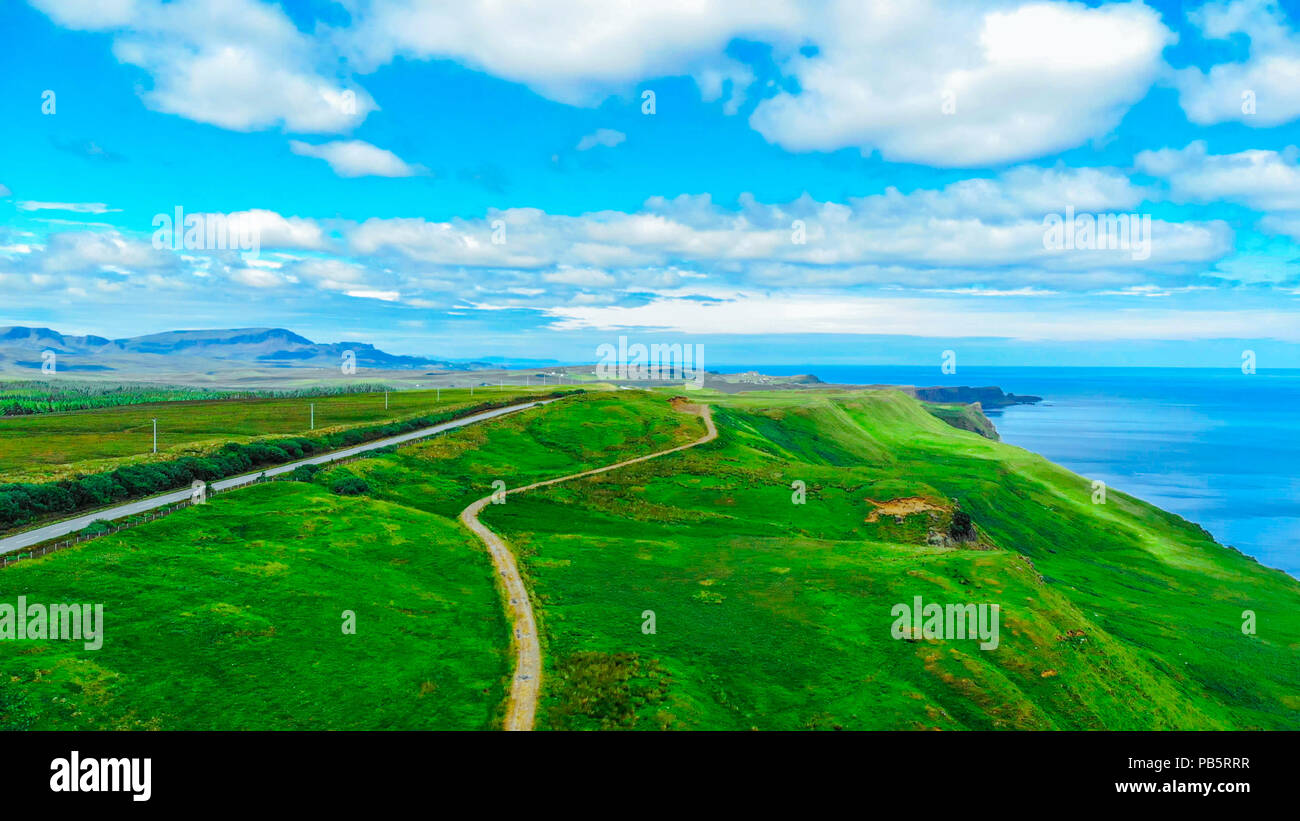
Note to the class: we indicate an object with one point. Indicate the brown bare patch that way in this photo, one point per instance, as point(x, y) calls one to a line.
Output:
point(905, 506)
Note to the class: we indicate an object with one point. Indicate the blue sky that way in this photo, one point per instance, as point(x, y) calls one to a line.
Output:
point(830, 182)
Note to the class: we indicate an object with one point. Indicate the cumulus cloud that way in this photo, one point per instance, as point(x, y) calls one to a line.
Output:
point(981, 236)
point(1023, 79)
point(971, 224)
point(1262, 180)
point(276, 231)
point(237, 64)
point(1003, 83)
point(998, 85)
point(1260, 91)
point(574, 51)
point(1265, 181)
point(84, 250)
point(256, 277)
point(356, 158)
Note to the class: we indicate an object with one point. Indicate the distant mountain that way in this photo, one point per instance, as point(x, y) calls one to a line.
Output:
point(21, 349)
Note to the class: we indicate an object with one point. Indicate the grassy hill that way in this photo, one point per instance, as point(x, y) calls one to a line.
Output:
point(776, 615)
point(229, 615)
point(767, 613)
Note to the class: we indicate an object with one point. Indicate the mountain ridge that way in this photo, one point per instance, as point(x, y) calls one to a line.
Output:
point(22, 346)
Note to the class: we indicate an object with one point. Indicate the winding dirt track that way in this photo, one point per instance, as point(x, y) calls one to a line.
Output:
point(521, 705)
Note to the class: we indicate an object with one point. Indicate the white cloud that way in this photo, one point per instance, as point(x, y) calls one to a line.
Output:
point(979, 237)
point(1264, 180)
point(1261, 91)
point(1023, 80)
point(257, 277)
point(582, 277)
point(276, 231)
point(92, 250)
point(607, 137)
point(574, 51)
point(89, 14)
point(969, 225)
point(1028, 78)
point(76, 207)
point(383, 296)
point(1284, 224)
point(757, 313)
point(237, 64)
point(355, 158)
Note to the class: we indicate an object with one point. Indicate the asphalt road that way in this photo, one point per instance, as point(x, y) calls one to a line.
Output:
point(53, 531)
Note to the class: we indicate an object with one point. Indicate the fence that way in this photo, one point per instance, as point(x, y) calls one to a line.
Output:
point(36, 551)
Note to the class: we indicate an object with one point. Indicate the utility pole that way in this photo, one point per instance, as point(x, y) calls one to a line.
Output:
point(313, 416)
point(438, 398)
point(385, 400)
point(155, 436)
point(471, 390)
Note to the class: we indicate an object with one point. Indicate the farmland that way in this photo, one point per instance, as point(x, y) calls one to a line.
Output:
point(56, 446)
point(26, 397)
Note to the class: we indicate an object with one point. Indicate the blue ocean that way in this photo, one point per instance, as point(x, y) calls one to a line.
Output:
point(1216, 446)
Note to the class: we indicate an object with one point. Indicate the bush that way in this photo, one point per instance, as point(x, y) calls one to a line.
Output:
point(350, 486)
point(97, 528)
point(304, 473)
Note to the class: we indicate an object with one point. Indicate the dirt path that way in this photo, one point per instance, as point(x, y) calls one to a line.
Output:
point(521, 706)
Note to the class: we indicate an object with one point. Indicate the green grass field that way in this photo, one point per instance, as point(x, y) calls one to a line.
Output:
point(776, 615)
point(56, 446)
point(768, 614)
point(229, 615)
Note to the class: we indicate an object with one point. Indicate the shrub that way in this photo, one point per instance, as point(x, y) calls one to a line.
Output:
point(350, 486)
point(97, 528)
point(304, 473)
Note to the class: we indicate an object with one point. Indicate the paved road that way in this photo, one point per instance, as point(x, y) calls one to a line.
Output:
point(521, 706)
point(63, 528)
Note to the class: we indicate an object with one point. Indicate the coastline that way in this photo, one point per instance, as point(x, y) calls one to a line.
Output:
point(1213, 446)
